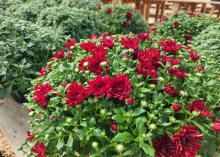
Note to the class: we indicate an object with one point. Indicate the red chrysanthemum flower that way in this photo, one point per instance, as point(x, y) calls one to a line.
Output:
point(199, 106)
point(93, 36)
point(39, 149)
point(108, 42)
point(59, 55)
point(108, 11)
point(120, 87)
point(169, 89)
point(94, 65)
point(187, 141)
point(125, 23)
point(29, 136)
point(176, 24)
point(216, 126)
point(81, 64)
point(194, 56)
point(130, 43)
point(144, 36)
point(164, 147)
point(114, 126)
point(200, 68)
point(173, 61)
point(128, 15)
point(170, 46)
point(76, 93)
point(100, 86)
point(176, 107)
point(177, 72)
point(188, 37)
point(70, 43)
point(40, 95)
point(88, 46)
point(44, 70)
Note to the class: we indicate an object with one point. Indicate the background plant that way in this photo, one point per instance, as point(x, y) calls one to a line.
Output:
point(85, 4)
point(124, 96)
point(121, 19)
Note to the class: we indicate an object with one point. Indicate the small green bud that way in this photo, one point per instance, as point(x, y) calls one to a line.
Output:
point(31, 113)
point(103, 112)
point(103, 64)
point(139, 76)
point(119, 148)
point(160, 78)
point(152, 86)
point(143, 103)
point(172, 119)
point(76, 70)
point(195, 114)
point(199, 74)
point(94, 144)
point(86, 64)
point(69, 120)
point(152, 126)
point(183, 93)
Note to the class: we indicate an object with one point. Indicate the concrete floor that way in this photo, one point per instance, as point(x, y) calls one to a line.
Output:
point(13, 122)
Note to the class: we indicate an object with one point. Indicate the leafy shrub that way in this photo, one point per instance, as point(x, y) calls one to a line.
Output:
point(5, 4)
point(85, 4)
point(24, 49)
point(208, 43)
point(183, 27)
point(122, 19)
point(79, 23)
point(124, 96)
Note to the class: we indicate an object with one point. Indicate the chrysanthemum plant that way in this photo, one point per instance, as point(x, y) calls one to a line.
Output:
point(124, 96)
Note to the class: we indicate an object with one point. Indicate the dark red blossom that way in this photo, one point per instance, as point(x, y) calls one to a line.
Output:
point(70, 43)
point(194, 56)
point(76, 94)
point(59, 55)
point(176, 24)
point(200, 68)
point(108, 11)
point(100, 86)
point(176, 107)
point(129, 101)
point(164, 147)
point(177, 72)
point(120, 87)
point(114, 126)
point(170, 46)
point(216, 126)
point(173, 61)
point(188, 37)
point(93, 36)
point(44, 70)
point(64, 84)
point(192, 14)
point(187, 141)
point(125, 23)
point(94, 64)
point(128, 15)
point(130, 43)
point(164, 18)
point(39, 149)
point(144, 36)
point(169, 89)
point(199, 106)
point(88, 46)
point(108, 42)
point(40, 95)
point(81, 64)
point(29, 136)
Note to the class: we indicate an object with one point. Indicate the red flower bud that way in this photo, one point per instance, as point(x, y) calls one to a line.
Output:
point(114, 126)
point(176, 107)
point(130, 101)
point(216, 126)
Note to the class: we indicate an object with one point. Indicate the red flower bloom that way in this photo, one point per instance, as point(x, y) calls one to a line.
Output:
point(126, 56)
point(81, 64)
point(187, 141)
point(176, 107)
point(100, 86)
point(200, 68)
point(173, 61)
point(178, 72)
point(170, 46)
point(164, 147)
point(120, 87)
point(144, 36)
point(93, 36)
point(44, 70)
point(40, 95)
point(59, 55)
point(94, 64)
point(216, 126)
point(70, 43)
point(108, 11)
point(198, 106)
point(39, 149)
point(176, 24)
point(164, 18)
point(128, 15)
point(129, 101)
point(114, 126)
point(64, 84)
point(108, 42)
point(192, 14)
point(169, 89)
point(88, 46)
point(194, 56)
point(188, 37)
point(130, 43)
point(29, 136)
point(125, 23)
point(76, 93)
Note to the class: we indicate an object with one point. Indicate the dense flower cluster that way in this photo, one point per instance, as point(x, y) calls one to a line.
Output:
point(123, 91)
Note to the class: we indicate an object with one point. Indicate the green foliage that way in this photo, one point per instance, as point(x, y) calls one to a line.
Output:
point(85, 4)
point(24, 49)
point(188, 24)
point(79, 23)
point(208, 43)
point(85, 129)
point(113, 22)
point(5, 4)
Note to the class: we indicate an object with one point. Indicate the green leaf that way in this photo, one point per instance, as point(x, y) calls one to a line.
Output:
point(138, 112)
point(149, 150)
point(70, 141)
point(60, 144)
point(140, 124)
point(211, 82)
point(123, 137)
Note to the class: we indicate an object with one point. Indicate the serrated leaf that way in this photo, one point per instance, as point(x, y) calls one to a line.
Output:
point(147, 149)
point(138, 112)
point(60, 144)
point(123, 137)
point(70, 141)
point(140, 125)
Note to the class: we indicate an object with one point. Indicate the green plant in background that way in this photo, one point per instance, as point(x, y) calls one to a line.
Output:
point(183, 27)
point(79, 23)
point(124, 95)
point(208, 43)
point(24, 49)
point(85, 4)
point(5, 4)
point(119, 18)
